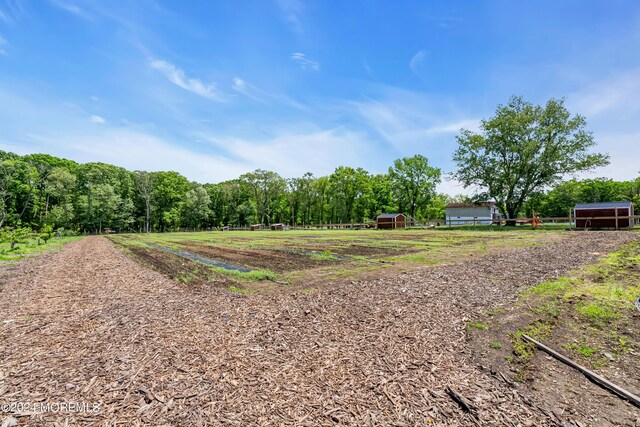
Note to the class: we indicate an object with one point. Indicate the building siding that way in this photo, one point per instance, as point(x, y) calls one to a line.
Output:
point(482, 214)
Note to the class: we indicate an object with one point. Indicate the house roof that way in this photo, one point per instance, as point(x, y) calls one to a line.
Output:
point(471, 205)
point(394, 215)
point(604, 205)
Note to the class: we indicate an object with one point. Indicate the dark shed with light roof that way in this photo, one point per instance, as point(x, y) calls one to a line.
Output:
point(616, 215)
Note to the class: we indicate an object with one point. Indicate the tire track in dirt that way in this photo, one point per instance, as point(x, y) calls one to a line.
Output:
point(90, 325)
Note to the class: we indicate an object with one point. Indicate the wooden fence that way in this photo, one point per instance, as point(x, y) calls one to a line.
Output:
point(450, 222)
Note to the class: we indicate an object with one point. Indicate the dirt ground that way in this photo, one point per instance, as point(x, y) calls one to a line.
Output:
point(278, 261)
point(88, 324)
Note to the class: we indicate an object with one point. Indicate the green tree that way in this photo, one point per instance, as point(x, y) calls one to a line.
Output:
point(61, 187)
point(196, 207)
point(523, 149)
point(382, 195)
point(144, 184)
point(169, 189)
point(267, 189)
point(18, 181)
point(350, 190)
point(414, 182)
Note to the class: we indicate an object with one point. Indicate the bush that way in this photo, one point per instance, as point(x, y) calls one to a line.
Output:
point(46, 233)
point(61, 232)
point(15, 235)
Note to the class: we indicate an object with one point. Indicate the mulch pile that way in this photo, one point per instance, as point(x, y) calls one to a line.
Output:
point(90, 325)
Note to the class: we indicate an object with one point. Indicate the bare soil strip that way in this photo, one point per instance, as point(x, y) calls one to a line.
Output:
point(90, 325)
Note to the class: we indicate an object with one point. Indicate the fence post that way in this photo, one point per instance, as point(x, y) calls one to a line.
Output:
point(616, 218)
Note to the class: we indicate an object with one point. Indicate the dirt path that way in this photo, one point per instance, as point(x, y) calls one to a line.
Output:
point(90, 325)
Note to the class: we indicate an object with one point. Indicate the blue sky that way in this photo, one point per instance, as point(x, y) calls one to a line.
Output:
point(214, 89)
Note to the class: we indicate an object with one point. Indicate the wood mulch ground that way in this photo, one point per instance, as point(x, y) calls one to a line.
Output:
point(90, 325)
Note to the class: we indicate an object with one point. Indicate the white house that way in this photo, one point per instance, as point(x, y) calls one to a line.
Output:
point(470, 213)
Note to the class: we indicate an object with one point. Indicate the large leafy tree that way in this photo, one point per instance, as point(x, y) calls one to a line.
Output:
point(61, 185)
point(18, 180)
point(196, 207)
point(169, 189)
point(414, 182)
point(267, 188)
point(144, 184)
point(347, 186)
point(523, 149)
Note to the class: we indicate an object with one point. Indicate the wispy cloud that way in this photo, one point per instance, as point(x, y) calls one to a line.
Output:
point(291, 10)
point(177, 77)
point(614, 95)
point(251, 91)
point(97, 119)
point(11, 10)
point(446, 21)
point(72, 8)
point(416, 62)
point(246, 89)
point(368, 68)
point(407, 121)
point(316, 150)
point(304, 62)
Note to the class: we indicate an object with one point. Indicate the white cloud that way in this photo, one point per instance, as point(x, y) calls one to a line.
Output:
point(13, 11)
point(72, 8)
point(408, 122)
point(239, 84)
point(416, 62)
point(367, 68)
point(134, 150)
point(305, 63)
point(291, 10)
point(623, 149)
point(65, 130)
point(97, 119)
point(612, 98)
point(453, 187)
point(611, 108)
point(246, 89)
point(251, 91)
point(178, 78)
point(292, 153)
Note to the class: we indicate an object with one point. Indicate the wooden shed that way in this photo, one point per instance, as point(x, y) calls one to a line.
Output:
point(255, 227)
point(604, 215)
point(278, 227)
point(395, 220)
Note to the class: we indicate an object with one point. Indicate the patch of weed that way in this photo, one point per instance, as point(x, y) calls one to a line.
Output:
point(185, 276)
point(599, 313)
point(493, 311)
point(581, 348)
point(549, 308)
point(553, 287)
point(240, 290)
point(481, 326)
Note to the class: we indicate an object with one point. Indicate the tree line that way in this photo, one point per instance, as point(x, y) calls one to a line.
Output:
point(39, 189)
point(518, 158)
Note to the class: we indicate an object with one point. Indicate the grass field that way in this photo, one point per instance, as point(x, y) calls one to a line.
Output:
point(314, 258)
point(32, 248)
